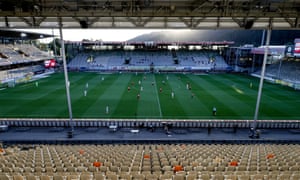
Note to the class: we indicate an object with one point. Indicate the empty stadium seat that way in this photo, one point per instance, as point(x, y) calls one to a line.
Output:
point(198, 161)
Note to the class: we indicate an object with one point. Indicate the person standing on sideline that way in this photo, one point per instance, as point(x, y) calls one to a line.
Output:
point(107, 109)
point(36, 84)
point(214, 111)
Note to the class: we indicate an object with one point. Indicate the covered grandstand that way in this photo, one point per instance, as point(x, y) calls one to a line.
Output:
point(161, 56)
point(282, 66)
point(20, 60)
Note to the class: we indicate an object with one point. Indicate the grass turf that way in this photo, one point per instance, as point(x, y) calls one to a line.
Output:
point(230, 94)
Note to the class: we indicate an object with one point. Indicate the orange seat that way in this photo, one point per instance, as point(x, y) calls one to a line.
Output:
point(97, 164)
point(270, 156)
point(233, 163)
point(177, 168)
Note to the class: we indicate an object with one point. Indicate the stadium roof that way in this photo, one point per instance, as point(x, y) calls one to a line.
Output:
point(186, 14)
point(151, 43)
point(21, 35)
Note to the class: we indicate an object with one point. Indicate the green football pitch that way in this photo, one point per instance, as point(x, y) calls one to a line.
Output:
point(234, 96)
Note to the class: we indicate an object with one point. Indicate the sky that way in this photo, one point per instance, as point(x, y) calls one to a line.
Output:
point(95, 34)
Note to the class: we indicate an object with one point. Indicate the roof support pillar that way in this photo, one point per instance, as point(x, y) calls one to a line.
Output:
point(67, 82)
point(262, 78)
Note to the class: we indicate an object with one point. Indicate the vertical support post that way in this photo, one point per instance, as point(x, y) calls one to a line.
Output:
point(262, 76)
point(279, 69)
point(263, 37)
point(253, 63)
point(237, 56)
point(67, 82)
point(54, 44)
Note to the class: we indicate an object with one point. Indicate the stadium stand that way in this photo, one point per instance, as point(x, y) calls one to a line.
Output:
point(143, 59)
point(10, 54)
point(220, 63)
point(100, 62)
point(19, 53)
point(116, 60)
point(194, 59)
point(31, 51)
point(146, 58)
point(19, 63)
point(286, 73)
point(4, 61)
point(17, 74)
point(290, 71)
point(80, 61)
point(154, 161)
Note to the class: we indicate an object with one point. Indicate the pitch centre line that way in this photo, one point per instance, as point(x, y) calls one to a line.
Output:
point(158, 102)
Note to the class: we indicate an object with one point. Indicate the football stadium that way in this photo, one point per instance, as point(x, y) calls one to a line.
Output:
point(224, 105)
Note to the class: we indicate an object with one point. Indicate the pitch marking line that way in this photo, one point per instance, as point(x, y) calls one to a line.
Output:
point(158, 102)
